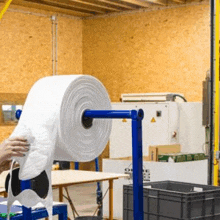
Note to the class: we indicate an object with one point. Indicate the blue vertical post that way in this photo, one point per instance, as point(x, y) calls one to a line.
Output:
point(137, 158)
point(76, 165)
point(26, 184)
point(137, 162)
point(97, 169)
point(98, 192)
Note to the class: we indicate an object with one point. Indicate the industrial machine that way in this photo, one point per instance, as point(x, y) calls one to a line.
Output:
point(166, 122)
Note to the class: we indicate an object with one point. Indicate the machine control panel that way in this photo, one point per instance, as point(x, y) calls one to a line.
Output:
point(159, 113)
point(146, 174)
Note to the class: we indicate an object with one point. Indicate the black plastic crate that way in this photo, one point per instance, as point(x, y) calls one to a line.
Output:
point(166, 200)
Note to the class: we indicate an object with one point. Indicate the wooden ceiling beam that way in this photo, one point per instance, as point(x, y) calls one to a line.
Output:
point(81, 5)
point(179, 1)
point(110, 4)
point(49, 8)
point(132, 6)
point(51, 3)
point(157, 2)
point(138, 3)
point(101, 6)
point(117, 4)
point(71, 5)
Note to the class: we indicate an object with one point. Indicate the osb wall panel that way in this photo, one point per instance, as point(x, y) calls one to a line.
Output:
point(158, 51)
point(26, 53)
point(69, 46)
point(25, 42)
point(5, 132)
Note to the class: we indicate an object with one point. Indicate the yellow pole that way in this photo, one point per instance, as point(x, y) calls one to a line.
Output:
point(216, 113)
point(4, 8)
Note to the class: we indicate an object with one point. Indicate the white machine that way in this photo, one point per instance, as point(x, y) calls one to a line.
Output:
point(164, 123)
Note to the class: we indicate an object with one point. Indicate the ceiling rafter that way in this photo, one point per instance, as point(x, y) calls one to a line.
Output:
point(139, 3)
point(158, 2)
point(87, 8)
point(118, 3)
point(80, 5)
point(110, 4)
point(96, 5)
point(50, 8)
point(70, 4)
point(55, 4)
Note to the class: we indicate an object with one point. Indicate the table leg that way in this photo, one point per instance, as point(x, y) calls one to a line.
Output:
point(5, 194)
point(72, 166)
point(110, 199)
point(60, 194)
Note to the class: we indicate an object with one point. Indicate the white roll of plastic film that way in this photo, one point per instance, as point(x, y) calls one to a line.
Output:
point(51, 120)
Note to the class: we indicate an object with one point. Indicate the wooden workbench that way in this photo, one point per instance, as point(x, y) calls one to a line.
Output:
point(64, 178)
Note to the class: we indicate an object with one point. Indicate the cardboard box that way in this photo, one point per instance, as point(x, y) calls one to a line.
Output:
point(154, 151)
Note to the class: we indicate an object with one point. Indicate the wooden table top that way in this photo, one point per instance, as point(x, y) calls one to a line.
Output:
point(71, 177)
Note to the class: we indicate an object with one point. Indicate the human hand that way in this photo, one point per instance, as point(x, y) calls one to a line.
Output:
point(13, 147)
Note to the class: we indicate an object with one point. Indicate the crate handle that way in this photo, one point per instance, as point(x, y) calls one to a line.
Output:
point(198, 189)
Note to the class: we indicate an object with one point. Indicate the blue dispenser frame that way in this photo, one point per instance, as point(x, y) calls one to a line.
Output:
point(137, 158)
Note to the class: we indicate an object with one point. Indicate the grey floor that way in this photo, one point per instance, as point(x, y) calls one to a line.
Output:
point(83, 197)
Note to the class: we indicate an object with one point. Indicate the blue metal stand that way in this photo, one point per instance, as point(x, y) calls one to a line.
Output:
point(98, 192)
point(76, 165)
point(26, 184)
point(137, 160)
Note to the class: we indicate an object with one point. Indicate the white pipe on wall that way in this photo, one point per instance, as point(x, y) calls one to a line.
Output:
point(56, 46)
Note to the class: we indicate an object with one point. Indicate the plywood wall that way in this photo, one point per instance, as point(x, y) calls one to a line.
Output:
point(25, 43)
point(158, 51)
point(69, 46)
point(26, 52)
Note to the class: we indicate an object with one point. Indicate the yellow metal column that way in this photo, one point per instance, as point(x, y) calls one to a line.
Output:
point(4, 8)
point(216, 112)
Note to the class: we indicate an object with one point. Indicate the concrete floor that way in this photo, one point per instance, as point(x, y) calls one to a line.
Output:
point(83, 197)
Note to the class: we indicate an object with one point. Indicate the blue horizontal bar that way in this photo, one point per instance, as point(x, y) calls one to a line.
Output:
point(134, 114)
point(108, 113)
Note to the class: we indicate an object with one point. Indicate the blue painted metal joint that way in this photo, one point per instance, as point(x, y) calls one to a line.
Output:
point(25, 184)
point(18, 114)
point(137, 114)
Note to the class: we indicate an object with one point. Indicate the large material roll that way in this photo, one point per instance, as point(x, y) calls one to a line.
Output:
point(51, 120)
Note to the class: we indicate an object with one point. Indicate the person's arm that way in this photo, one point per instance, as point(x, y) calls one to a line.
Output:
point(13, 147)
